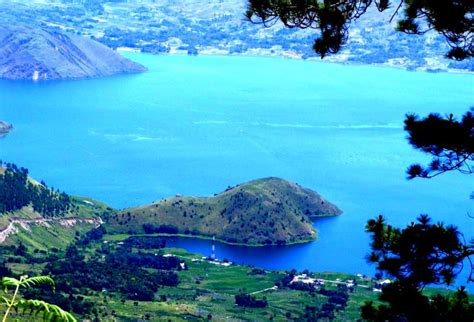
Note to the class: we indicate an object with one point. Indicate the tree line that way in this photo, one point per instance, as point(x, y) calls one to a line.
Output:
point(18, 191)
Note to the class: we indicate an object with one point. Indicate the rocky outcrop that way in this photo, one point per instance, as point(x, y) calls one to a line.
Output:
point(35, 53)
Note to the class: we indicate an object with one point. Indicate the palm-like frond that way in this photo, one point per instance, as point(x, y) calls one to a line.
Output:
point(5, 282)
point(37, 280)
point(49, 312)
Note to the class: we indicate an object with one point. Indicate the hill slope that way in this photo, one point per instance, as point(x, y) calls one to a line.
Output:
point(41, 217)
point(39, 54)
point(265, 211)
point(38, 232)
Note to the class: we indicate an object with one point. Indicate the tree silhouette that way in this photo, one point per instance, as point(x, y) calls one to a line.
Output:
point(452, 19)
point(419, 255)
point(450, 142)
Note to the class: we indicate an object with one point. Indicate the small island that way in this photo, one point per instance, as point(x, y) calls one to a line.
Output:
point(5, 128)
point(269, 211)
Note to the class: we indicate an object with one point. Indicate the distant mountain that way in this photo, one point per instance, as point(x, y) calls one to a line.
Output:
point(35, 53)
point(265, 211)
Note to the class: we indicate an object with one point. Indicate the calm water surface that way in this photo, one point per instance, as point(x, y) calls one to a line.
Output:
point(194, 125)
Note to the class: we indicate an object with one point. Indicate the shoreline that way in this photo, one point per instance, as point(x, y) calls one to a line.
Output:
point(120, 237)
point(297, 57)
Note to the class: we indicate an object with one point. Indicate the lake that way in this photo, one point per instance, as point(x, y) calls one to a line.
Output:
point(195, 125)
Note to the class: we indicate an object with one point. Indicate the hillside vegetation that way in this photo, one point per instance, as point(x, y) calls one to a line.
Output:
point(40, 217)
point(265, 211)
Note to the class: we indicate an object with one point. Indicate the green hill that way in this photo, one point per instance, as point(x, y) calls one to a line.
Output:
point(265, 211)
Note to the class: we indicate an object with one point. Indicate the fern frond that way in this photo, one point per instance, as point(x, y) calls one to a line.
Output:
point(38, 280)
point(48, 311)
point(5, 282)
point(4, 300)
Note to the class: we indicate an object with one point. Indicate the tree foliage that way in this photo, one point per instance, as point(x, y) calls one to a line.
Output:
point(450, 142)
point(452, 19)
point(17, 191)
point(247, 300)
point(135, 275)
point(419, 255)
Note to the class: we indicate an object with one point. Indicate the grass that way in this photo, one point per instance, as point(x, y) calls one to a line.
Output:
point(44, 238)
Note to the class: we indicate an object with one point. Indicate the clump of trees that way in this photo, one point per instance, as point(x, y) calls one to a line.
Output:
point(161, 229)
point(17, 191)
point(144, 242)
point(247, 300)
point(145, 260)
point(92, 235)
point(113, 272)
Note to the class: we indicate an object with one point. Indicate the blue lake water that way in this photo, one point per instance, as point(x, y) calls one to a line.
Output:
point(194, 125)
